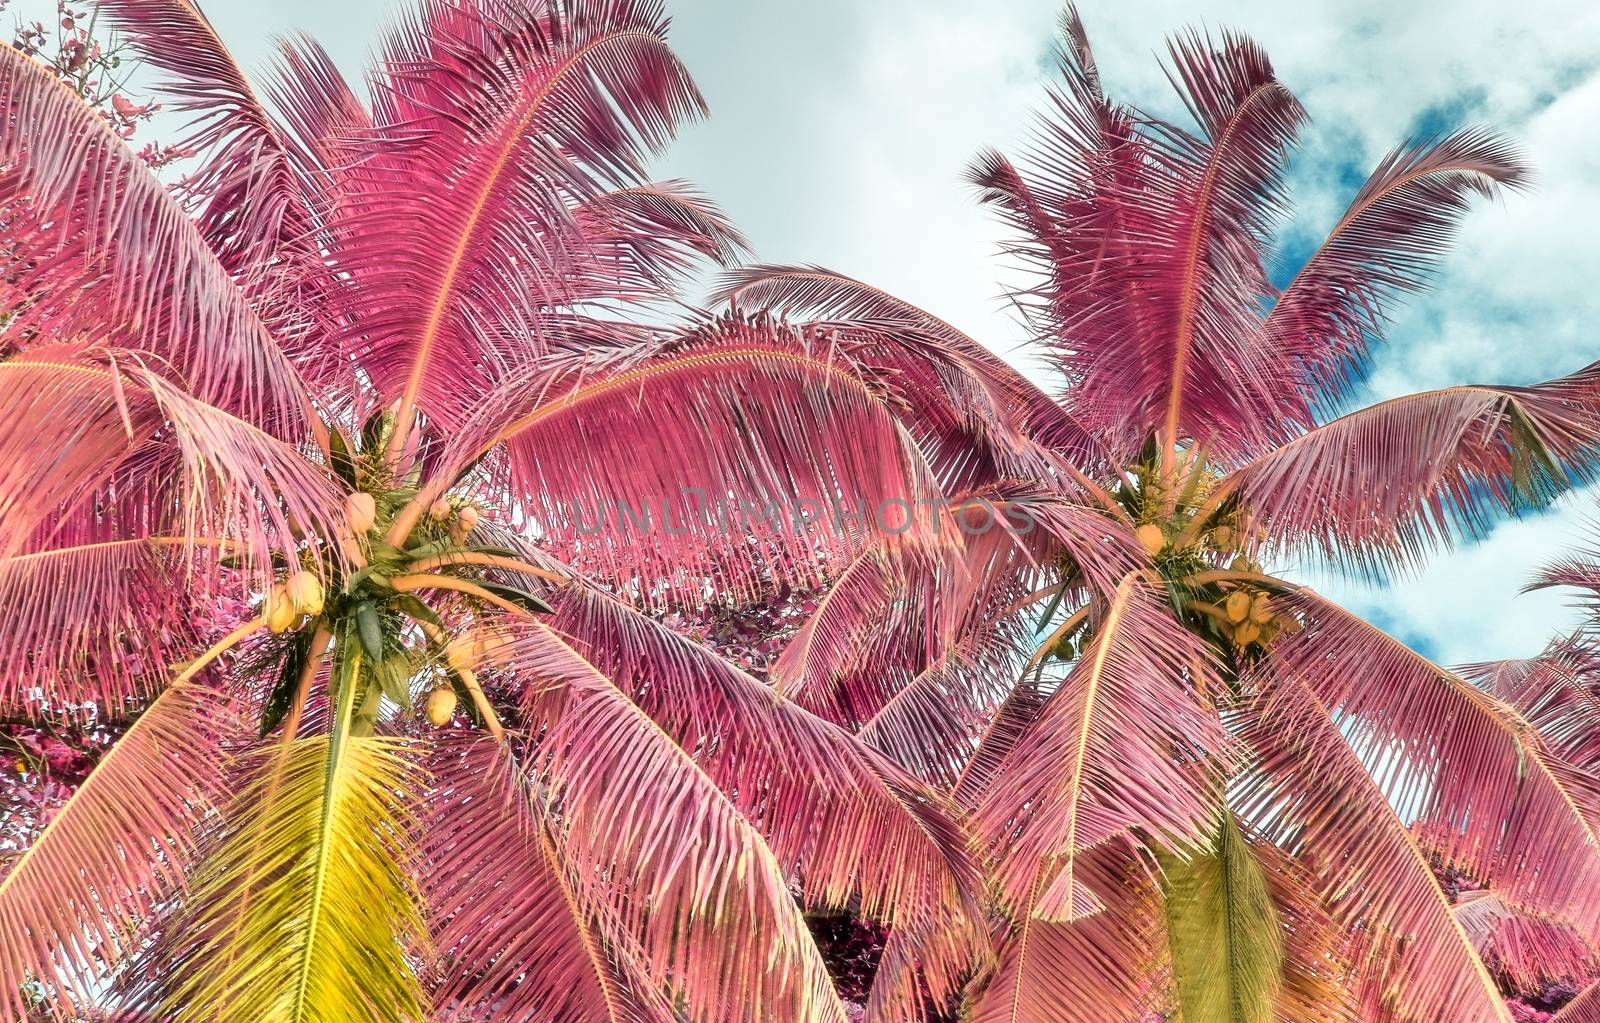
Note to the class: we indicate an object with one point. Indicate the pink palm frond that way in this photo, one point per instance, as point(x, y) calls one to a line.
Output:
point(509, 116)
point(99, 249)
point(72, 613)
point(1452, 759)
point(1527, 950)
point(849, 822)
point(514, 932)
point(1381, 488)
point(252, 205)
point(1311, 793)
point(1387, 244)
point(72, 902)
point(1123, 743)
point(683, 870)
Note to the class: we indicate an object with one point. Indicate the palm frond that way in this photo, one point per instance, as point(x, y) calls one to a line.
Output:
point(1388, 243)
point(753, 432)
point(657, 234)
point(220, 476)
point(1558, 692)
point(960, 391)
point(1310, 792)
point(515, 935)
point(71, 615)
point(1527, 950)
point(1123, 743)
point(680, 867)
point(1381, 488)
point(1454, 760)
point(511, 114)
point(933, 724)
point(322, 838)
point(1583, 1009)
point(1225, 935)
point(97, 246)
point(77, 900)
point(252, 204)
point(1108, 967)
point(858, 831)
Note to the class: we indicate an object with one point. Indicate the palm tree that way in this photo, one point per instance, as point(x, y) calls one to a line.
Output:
point(1208, 791)
point(370, 369)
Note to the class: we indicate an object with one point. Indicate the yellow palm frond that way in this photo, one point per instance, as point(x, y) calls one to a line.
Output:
point(323, 843)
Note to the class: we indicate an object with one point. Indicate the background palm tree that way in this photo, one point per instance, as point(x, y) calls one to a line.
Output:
point(1231, 802)
point(370, 364)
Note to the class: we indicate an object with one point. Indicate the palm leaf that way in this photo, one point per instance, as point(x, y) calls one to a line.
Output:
point(1527, 950)
point(649, 831)
point(1556, 692)
point(1224, 932)
point(961, 393)
point(220, 477)
point(69, 612)
point(1493, 797)
point(251, 201)
point(1387, 244)
point(519, 111)
point(517, 937)
point(1380, 488)
point(1106, 753)
point(97, 246)
point(321, 837)
point(752, 431)
point(1108, 967)
point(1309, 791)
point(75, 901)
point(859, 832)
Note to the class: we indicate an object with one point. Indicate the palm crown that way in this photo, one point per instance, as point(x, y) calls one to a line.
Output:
point(1233, 800)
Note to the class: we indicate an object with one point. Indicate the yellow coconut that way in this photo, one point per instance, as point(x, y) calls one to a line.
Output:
point(468, 517)
point(280, 610)
point(440, 510)
point(1237, 606)
point(441, 705)
point(462, 653)
point(360, 512)
point(1151, 538)
point(1222, 536)
point(1261, 609)
point(1247, 633)
point(305, 590)
point(494, 648)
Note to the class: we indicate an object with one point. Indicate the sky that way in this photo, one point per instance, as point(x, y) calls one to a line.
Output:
point(839, 132)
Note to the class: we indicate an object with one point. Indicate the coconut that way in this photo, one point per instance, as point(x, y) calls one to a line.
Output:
point(305, 590)
point(280, 609)
point(1151, 538)
point(494, 647)
point(1237, 606)
point(1247, 633)
point(1261, 609)
point(462, 653)
point(1222, 536)
point(441, 705)
point(468, 517)
point(440, 510)
point(360, 512)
